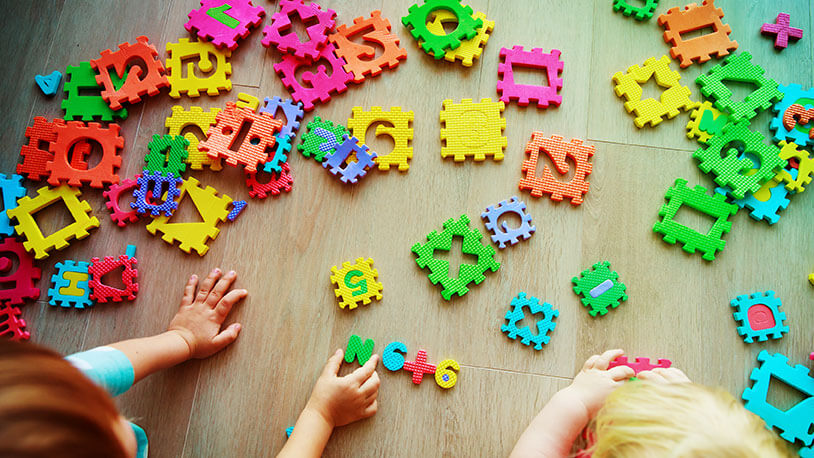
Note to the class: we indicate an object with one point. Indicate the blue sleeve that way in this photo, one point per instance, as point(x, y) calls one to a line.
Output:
point(107, 367)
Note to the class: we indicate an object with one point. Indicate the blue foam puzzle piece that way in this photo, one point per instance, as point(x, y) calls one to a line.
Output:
point(793, 93)
point(351, 172)
point(49, 84)
point(503, 234)
point(742, 305)
point(274, 164)
point(157, 181)
point(293, 113)
point(544, 326)
point(288, 431)
point(237, 207)
point(12, 189)
point(59, 281)
point(393, 356)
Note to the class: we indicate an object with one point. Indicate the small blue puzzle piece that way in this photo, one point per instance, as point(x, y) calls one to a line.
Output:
point(393, 356)
point(147, 178)
point(329, 137)
point(130, 251)
point(12, 189)
point(793, 94)
point(274, 165)
point(49, 84)
point(59, 281)
point(288, 431)
point(237, 207)
point(352, 171)
point(502, 234)
point(293, 113)
point(747, 329)
point(544, 326)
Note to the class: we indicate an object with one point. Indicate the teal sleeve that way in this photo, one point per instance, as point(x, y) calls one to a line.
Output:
point(107, 367)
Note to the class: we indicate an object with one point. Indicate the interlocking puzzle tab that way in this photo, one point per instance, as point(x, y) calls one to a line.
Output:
point(223, 22)
point(49, 84)
point(738, 67)
point(291, 111)
point(358, 350)
point(793, 114)
point(343, 166)
point(503, 234)
point(543, 326)
point(759, 316)
point(467, 273)
point(137, 83)
point(400, 130)
point(361, 59)
point(27, 226)
point(796, 182)
point(419, 367)
point(318, 86)
point(157, 185)
point(317, 25)
point(191, 84)
point(195, 116)
point(473, 130)
point(22, 282)
point(247, 101)
point(99, 268)
point(259, 139)
point(782, 31)
point(87, 107)
point(71, 288)
point(640, 13)
point(168, 154)
point(12, 326)
point(321, 138)
point(692, 18)
point(279, 182)
point(470, 49)
point(641, 364)
point(558, 150)
point(34, 153)
point(11, 188)
point(705, 122)
point(356, 282)
point(213, 210)
point(71, 133)
point(393, 356)
point(795, 422)
point(672, 101)
point(697, 199)
point(437, 45)
point(525, 93)
point(600, 288)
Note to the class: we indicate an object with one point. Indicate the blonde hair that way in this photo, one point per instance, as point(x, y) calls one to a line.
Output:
point(680, 420)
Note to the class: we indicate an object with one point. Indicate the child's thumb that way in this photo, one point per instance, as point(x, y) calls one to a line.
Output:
point(227, 336)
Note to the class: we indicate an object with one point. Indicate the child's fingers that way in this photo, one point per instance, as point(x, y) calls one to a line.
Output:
point(189, 290)
point(229, 300)
point(672, 375)
point(227, 336)
point(589, 363)
point(371, 385)
point(363, 373)
point(206, 285)
point(333, 364)
point(619, 373)
point(371, 409)
point(220, 288)
point(604, 360)
point(651, 376)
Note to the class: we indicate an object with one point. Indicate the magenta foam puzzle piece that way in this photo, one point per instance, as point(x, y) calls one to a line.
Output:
point(782, 30)
point(321, 84)
point(525, 93)
point(289, 42)
point(222, 22)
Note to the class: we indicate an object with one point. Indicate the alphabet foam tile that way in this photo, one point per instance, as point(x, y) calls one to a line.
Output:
point(473, 130)
point(138, 83)
point(68, 135)
point(34, 153)
point(168, 154)
point(237, 209)
point(357, 349)
point(765, 203)
point(738, 67)
point(321, 138)
point(640, 13)
point(356, 282)
point(698, 199)
point(274, 164)
point(793, 115)
point(21, 284)
point(27, 226)
point(672, 101)
point(641, 364)
point(11, 188)
point(694, 17)
point(600, 288)
point(317, 25)
point(467, 273)
point(99, 268)
point(705, 122)
point(558, 151)
point(247, 101)
point(112, 196)
point(525, 93)
point(180, 120)
point(782, 31)
point(192, 85)
point(213, 210)
point(319, 85)
point(78, 106)
point(340, 164)
point(419, 367)
point(437, 45)
point(259, 138)
point(796, 182)
point(470, 49)
point(279, 182)
point(49, 84)
point(292, 112)
point(70, 285)
point(12, 327)
point(759, 316)
point(400, 131)
point(543, 326)
point(502, 233)
point(157, 185)
point(223, 22)
point(361, 59)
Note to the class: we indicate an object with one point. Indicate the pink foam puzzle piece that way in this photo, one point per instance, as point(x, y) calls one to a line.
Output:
point(640, 365)
point(782, 30)
point(223, 22)
point(289, 42)
point(319, 85)
point(525, 93)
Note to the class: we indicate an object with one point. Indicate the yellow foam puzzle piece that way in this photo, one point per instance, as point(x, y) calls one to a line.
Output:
point(247, 101)
point(27, 226)
point(473, 129)
point(191, 84)
point(674, 98)
point(804, 170)
point(450, 368)
point(356, 282)
point(195, 116)
point(212, 208)
point(74, 278)
point(694, 124)
point(401, 132)
point(470, 49)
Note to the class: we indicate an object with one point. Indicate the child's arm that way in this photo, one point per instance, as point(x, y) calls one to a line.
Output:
point(335, 401)
point(194, 332)
point(553, 432)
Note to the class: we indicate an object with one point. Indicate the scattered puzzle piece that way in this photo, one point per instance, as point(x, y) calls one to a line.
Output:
point(223, 22)
point(168, 154)
point(446, 373)
point(705, 122)
point(340, 162)
point(49, 84)
point(274, 164)
point(321, 138)
point(672, 101)
point(12, 326)
point(180, 120)
point(400, 130)
point(600, 288)
point(766, 202)
point(640, 365)
point(796, 182)
point(11, 188)
point(470, 49)
point(259, 138)
point(357, 349)
point(21, 284)
point(393, 356)
point(437, 45)
point(291, 111)
point(279, 182)
point(70, 134)
point(738, 67)
point(473, 130)
point(759, 316)
point(192, 85)
point(640, 13)
point(165, 185)
point(237, 208)
point(356, 282)
point(87, 107)
point(317, 24)
point(247, 101)
point(361, 59)
point(419, 367)
point(525, 93)
point(35, 155)
point(502, 233)
point(138, 83)
point(792, 114)
point(71, 287)
point(112, 196)
point(782, 31)
point(543, 326)
point(99, 268)
point(700, 48)
point(558, 151)
point(318, 86)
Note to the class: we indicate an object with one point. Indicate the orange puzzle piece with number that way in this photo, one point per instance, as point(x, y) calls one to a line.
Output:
point(139, 81)
point(694, 18)
point(557, 150)
point(257, 144)
point(361, 59)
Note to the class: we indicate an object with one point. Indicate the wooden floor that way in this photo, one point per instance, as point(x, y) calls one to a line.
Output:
point(239, 402)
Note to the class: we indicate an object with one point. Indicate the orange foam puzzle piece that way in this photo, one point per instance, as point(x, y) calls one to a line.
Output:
point(139, 81)
point(229, 123)
point(693, 18)
point(70, 135)
point(361, 59)
point(557, 150)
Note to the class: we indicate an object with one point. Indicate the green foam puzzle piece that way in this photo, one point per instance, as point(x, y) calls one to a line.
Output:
point(610, 297)
point(312, 141)
point(168, 154)
point(88, 107)
point(358, 349)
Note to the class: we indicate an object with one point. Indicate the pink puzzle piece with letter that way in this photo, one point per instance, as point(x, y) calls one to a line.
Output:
point(640, 365)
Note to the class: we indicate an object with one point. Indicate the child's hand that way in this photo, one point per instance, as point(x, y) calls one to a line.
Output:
point(343, 400)
point(595, 381)
point(200, 316)
point(664, 375)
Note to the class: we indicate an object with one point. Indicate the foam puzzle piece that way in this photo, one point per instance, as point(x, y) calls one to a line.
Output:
point(112, 196)
point(158, 185)
point(88, 107)
point(318, 86)
point(796, 182)
point(203, 120)
point(35, 156)
point(697, 198)
point(446, 373)
point(672, 101)
point(70, 285)
point(11, 188)
point(279, 182)
point(223, 22)
point(12, 326)
point(21, 284)
point(393, 356)
point(288, 431)
point(640, 365)
point(759, 316)
point(27, 226)
point(797, 114)
point(358, 350)
point(400, 130)
point(791, 123)
point(321, 138)
point(558, 151)
point(168, 154)
point(292, 112)
point(782, 31)
point(700, 48)
point(600, 288)
point(356, 282)
point(275, 162)
point(215, 81)
point(419, 367)
point(340, 164)
point(795, 422)
point(503, 234)
point(100, 267)
point(237, 208)
point(638, 11)
point(317, 23)
point(705, 122)
point(543, 326)
point(738, 67)
point(765, 203)
point(49, 84)
point(437, 45)
point(360, 58)
point(247, 101)
point(525, 93)
point(259, 137)
point(473, 130)
point(467, 273)
point(213, 210)
point(137, 83)
point(729, 169)
point(806, 452)
point(67, 135)
point(470, 49)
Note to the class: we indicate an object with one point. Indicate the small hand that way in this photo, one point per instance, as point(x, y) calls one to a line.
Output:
point(595, 381)
point(200, 316)
point(343, 400)
point(664, 375)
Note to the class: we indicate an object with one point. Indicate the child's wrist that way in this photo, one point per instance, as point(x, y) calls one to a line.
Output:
point(183, 342)
point(571, 397)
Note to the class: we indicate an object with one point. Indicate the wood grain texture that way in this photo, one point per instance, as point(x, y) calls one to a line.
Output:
point(239, 402)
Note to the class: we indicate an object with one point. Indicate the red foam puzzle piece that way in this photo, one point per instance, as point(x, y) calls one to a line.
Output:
point(23, 279)
point(34, 156)
point(229, 122)
point(139, 81)
point(640, 365)
point(419, 367)
point(282, 183)
point(557, 150)
point(102, 293)
point(112, 196)
point(70, 134)
point(11, 325)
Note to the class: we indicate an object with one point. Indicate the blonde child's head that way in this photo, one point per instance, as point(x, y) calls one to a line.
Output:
point(646, 419)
